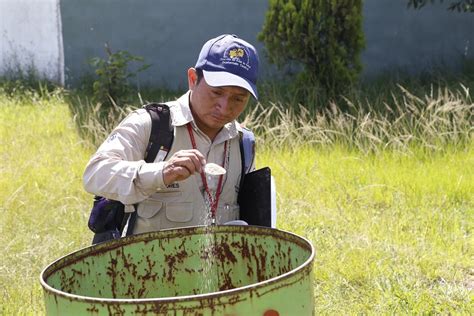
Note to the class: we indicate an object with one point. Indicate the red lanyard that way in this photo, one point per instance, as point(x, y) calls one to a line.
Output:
point(213, 202)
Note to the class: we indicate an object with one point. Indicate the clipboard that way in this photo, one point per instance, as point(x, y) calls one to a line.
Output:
point(255, 198)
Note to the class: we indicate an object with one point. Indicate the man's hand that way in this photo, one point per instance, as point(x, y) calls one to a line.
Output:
point(182, 165)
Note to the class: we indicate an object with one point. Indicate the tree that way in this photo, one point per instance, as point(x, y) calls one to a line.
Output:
point(324, 36)
point(454, 5)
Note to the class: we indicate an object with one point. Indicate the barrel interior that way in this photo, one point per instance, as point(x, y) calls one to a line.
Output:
point(178, 263)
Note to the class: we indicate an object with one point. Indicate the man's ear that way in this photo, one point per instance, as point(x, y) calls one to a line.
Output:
point(192, 78)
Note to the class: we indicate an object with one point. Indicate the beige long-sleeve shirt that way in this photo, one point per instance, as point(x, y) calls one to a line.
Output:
point(118, 171)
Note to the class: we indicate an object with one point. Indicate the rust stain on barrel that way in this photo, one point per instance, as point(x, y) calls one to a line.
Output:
point(171, 260)
point(132, 273)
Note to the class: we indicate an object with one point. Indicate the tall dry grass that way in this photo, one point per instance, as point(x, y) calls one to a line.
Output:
point(96, 120)
point(435, 120)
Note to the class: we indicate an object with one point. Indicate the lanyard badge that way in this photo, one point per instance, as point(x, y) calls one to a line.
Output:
point(212, 198)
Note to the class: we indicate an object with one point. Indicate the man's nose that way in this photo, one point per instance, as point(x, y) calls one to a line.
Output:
point(224, 104)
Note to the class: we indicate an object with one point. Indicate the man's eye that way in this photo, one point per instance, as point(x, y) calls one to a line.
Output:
point(217, 92)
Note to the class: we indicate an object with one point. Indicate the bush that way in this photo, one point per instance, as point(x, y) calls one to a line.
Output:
point(324, 37)
point(112, 84)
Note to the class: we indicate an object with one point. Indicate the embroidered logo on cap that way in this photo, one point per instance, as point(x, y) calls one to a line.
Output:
point(236, 52)
point(237, 56)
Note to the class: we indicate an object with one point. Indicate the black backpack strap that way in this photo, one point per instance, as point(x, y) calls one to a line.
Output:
point(161, 139)
point(161, 136)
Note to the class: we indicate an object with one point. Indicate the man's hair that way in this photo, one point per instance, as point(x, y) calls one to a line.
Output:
point(200, 75)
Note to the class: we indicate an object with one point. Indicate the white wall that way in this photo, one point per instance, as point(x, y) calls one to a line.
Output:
point(31, 38)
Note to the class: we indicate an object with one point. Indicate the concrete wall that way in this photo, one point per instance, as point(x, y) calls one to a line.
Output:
point(167, 33)
point(31, 38)
point(170, 33)
point(398, 38)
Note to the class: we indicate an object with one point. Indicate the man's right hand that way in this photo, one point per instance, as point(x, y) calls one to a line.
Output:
point(182, 165)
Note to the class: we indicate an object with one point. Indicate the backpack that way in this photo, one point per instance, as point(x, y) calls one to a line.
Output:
point(108, 218)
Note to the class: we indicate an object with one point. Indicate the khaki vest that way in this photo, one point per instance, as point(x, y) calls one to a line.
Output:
point(182, 204)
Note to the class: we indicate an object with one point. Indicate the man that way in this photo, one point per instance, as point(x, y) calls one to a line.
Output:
point(172, 193)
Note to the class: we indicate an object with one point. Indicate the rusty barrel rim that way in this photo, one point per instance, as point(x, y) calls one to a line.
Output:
point(170, 233)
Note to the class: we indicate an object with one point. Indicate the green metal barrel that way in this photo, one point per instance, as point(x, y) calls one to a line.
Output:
point(217, 270)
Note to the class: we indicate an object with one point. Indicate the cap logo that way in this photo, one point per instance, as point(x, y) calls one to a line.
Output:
point(237, 56)
point(236, 52)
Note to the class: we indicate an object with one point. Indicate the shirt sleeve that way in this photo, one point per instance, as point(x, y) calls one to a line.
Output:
point(118, 170)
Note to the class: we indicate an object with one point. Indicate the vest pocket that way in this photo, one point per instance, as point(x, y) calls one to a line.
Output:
point(180, 212)
point(149, 208)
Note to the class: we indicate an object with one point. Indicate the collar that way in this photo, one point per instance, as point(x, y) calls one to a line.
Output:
point(181, 115)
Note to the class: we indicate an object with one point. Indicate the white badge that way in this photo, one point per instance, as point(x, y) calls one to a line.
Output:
point(161, 155)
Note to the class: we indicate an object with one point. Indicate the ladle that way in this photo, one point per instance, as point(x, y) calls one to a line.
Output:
point(212, 173)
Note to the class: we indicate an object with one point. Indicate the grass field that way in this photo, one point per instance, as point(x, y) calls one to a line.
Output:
point(42, 205)
point(393, 233)
point(392, 228)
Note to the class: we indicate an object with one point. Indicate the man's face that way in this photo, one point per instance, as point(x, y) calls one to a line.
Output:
point(213, 107)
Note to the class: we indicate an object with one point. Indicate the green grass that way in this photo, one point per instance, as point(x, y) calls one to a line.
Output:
point(42, 204)
point(391, 225)
point(392, 232)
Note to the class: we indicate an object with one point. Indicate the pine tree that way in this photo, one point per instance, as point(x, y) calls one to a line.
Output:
point(324, 36)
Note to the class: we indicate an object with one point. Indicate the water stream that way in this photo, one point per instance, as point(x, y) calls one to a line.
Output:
point(209, 279)
point(210, 275)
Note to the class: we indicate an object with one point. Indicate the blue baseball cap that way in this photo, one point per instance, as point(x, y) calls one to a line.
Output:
point(229, 61)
